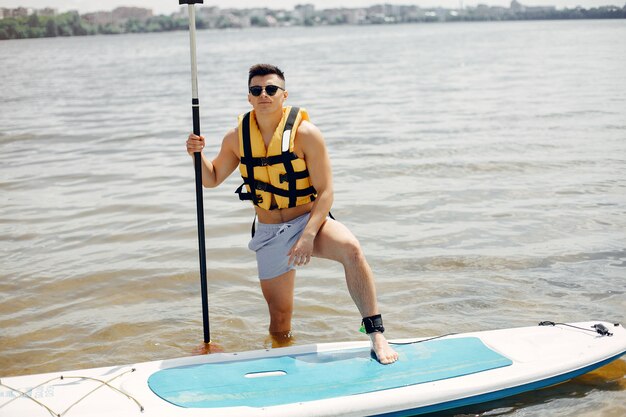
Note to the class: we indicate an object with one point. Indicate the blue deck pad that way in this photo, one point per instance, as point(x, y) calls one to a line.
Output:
point(316, 376)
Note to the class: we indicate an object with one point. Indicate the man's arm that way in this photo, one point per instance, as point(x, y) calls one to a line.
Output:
point(216, 171)
point(311, 147)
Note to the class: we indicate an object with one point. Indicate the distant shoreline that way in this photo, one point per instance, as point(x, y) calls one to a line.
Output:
point(46, 23)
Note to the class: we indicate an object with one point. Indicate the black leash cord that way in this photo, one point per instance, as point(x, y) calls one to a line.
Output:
point(598, 328)
point(601, 329)
point(421, 341)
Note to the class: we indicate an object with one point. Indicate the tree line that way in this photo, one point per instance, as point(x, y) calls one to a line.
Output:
point(72, 24)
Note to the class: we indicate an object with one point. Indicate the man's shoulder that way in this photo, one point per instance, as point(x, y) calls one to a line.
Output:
point(231, 138)
point(307, 128)
point(309, 139)
point(232, 134)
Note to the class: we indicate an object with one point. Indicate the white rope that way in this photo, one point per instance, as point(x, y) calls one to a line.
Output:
point(25, 394)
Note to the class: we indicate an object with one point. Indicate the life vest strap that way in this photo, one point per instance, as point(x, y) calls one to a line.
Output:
point(286, 138)
point(291, 177)
point(263, 161)
point(247, 152)
point(297, 175)
point(263, 186)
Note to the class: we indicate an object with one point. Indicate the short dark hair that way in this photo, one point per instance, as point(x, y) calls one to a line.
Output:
point(264, 69)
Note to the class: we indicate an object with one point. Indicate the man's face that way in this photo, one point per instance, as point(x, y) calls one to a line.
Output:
point(266, 103)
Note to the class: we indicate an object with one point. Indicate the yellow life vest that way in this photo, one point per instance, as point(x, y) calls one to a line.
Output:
point(279, 179)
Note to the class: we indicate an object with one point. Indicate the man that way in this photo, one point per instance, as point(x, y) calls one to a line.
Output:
point(284, 162)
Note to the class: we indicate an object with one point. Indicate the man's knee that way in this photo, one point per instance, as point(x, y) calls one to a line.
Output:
point(352, 252)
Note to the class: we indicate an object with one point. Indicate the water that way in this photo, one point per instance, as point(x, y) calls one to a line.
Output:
point(481, 165)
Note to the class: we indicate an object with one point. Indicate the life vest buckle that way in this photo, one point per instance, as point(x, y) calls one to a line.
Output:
point(264, 162)
point(261, 186)
point(283, 178)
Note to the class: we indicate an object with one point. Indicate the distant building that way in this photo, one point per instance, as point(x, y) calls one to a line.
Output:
point(305, 11)
point(516, 6)
point(117, 16)
point(46, 12)
point(99, 18)
point(409, 13)
point(121, 14)
point(356, 16)
point(540, 9)
point(19, 12)
point(260, 17)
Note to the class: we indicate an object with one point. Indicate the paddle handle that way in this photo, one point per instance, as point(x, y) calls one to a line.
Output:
point(195, 115)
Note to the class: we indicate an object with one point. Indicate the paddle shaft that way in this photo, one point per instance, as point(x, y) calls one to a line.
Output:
point(195, 113)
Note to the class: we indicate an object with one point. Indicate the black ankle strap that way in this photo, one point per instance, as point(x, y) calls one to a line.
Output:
point(373, 324)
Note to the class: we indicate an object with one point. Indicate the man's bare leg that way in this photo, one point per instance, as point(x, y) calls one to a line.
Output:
point(334, 241)
point(278, 293)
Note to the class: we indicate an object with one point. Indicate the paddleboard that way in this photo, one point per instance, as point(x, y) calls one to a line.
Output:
point(330, 379)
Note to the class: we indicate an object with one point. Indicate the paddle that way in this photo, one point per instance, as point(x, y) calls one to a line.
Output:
point(195, 113)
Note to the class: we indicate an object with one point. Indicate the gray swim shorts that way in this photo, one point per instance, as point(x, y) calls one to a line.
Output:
point(272, 243)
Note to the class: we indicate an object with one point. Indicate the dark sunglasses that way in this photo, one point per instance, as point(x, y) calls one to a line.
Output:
point(256, 90)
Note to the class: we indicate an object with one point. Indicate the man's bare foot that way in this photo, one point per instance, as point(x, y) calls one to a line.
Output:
point(384, 353)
